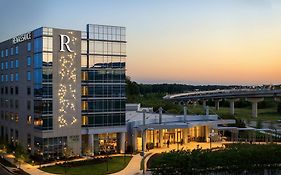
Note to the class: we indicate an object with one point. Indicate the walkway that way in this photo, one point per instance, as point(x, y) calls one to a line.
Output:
point(133, 168)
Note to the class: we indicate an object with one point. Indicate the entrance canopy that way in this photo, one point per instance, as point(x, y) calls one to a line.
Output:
point(182, 124)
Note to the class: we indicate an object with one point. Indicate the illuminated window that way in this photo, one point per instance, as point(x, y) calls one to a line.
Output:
point(29, 119)
point(84, 76)
point(17, 117)
point(84, 120)
point(38, 122)
point(84, 105)
point(84, 90)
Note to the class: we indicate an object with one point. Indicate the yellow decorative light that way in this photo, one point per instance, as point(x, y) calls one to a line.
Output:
point(67, 74)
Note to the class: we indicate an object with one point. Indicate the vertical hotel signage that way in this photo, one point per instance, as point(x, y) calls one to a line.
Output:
point(67, 75)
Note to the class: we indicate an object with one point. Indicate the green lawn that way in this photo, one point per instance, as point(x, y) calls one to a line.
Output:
point(115, 164)
point(267, 114)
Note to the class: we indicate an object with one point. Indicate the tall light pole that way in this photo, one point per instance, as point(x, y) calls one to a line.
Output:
point(142, 140)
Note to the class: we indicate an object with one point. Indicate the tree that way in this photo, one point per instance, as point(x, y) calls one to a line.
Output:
point(279, 108)
point(20, 154)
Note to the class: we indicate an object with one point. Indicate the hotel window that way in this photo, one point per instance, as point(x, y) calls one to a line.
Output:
point(7, 77)
point(84, 62)
point(11, 90)
point(2, 65)
point(38, 45)
point(2, 78)
point(2, 53)
point(16, 90)
point(7, 52)
point(7, 65)
point(84, 90)
point(29, 119)
point(28, 76)
point(17, 50)
point(28, 105)
point(28, 90)
point(47, 59)
point(48, 44)
point(84, 76)
point(84, 120)
point(11, 104)
point(12, 51)
point(16, 104)
point(16, 77)
point(84, 46)
point(12, 77)
point(38, 122)
point(47, 31)
point(84, 105)
point(28, 61)
point(29, 46)
point(17, 117)
point(16, 63)
point(11, 64)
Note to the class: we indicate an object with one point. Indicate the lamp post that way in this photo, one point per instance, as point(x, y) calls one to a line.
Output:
point(142, 140)
point(212, 134)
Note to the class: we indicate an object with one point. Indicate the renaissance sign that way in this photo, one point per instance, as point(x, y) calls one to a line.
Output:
point(21, 38)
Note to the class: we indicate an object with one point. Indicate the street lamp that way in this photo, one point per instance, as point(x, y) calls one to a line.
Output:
point(212, 134)
point(142, 140)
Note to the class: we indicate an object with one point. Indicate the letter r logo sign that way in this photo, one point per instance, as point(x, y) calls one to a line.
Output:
point(64, 41)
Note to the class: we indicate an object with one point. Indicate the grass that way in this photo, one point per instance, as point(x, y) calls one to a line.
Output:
point(115, 164)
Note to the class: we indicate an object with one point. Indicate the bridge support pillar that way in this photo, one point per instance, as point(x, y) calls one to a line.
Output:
point(231, 104)
point(277, 99)
point(254, 102)
point(217, 103)
point(204, 103)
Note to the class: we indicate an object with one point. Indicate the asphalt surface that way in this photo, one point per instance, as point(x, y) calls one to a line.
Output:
point(3, 171)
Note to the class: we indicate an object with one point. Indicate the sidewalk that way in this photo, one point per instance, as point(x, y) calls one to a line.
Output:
point(133, 167)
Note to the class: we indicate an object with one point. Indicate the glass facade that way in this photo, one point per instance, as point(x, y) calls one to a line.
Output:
point(43, 58)
point(103, 59)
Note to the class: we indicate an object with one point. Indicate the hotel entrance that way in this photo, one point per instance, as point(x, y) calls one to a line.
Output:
point(160, 138)
point(173, 135)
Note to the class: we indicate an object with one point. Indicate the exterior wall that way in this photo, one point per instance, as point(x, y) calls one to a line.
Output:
point(66, 90)
point(13, 106)
point(53, 120)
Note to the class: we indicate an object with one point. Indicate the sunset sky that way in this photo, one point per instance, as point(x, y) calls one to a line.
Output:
point(173, 41)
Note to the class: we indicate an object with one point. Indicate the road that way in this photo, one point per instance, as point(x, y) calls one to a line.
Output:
point(3, 171)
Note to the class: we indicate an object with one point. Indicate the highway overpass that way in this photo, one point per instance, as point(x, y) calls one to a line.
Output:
point(231, 95)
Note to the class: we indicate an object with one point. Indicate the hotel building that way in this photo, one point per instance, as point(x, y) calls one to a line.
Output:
point(64, 89)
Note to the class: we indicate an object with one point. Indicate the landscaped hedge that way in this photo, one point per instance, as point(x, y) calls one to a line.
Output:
point(235, 159)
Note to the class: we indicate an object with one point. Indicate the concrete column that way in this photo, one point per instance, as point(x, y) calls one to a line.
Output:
point(144, 141)
point(160, 115)
point(135, 140)
point(231, 104)
point(143, 116)
point(254, 102)
point(121, 142)
point(184, 112)
point(184, 136)
point(160, 138)
point(217, 103)
point(91, 143)
point(277, 99)
point(204, 103)
point(96, 143)
point(194, 104)
point(207, 110)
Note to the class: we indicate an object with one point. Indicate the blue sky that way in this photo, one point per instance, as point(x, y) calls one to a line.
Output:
point(182, 41)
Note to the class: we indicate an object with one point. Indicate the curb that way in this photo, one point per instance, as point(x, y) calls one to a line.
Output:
point(7, 169)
